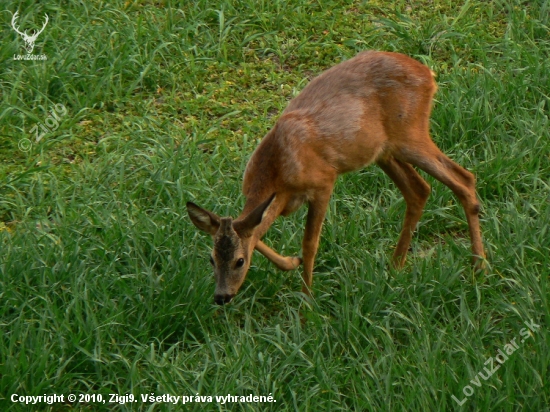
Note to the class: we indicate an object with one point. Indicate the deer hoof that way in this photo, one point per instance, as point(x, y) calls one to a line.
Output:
point(290, 263)
point(297, 261)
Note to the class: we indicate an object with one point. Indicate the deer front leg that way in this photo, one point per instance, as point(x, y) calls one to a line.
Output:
point(315, 216)
point(282, 262)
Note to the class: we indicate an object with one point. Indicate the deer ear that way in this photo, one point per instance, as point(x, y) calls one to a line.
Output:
point(246, 226)
point(203, 219)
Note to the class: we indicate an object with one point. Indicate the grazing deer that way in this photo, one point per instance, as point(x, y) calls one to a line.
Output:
point(373, 108)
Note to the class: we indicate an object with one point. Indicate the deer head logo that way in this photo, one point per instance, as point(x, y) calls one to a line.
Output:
point(29, 40)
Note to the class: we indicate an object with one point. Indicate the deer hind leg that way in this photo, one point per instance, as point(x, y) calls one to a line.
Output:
point(282, 262)
point(315, 216)
point(459, 180)
point(415, 190)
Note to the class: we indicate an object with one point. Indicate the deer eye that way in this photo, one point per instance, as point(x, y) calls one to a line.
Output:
point(239, 263)
point(212, 261)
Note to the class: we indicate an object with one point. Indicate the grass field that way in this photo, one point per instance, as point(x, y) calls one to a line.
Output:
point(105, 285)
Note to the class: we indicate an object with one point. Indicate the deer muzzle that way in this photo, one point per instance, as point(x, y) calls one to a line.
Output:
point(223, 299)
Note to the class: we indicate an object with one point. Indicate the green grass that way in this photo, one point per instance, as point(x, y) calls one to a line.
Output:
point(105, 285)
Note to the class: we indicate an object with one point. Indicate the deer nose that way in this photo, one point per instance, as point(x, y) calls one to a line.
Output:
point(223, 299)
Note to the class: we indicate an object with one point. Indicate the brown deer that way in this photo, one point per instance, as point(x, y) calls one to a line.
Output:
point(373, 108)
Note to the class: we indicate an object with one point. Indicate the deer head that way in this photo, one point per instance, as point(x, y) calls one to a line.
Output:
point(29, 40)
point(234, 243)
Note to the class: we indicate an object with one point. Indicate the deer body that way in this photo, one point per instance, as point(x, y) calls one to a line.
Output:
point(373, 108)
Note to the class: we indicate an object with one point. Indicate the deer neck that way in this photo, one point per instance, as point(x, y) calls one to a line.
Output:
point(271, 213)
point(261, 180)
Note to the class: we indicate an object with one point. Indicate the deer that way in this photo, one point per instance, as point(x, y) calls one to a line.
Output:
point(372, 108)
point(29, 40)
